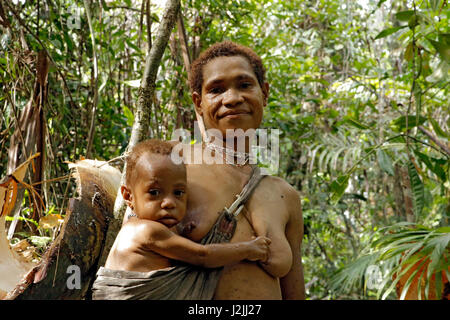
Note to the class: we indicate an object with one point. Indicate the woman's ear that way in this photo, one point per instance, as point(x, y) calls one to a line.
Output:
point(197, 99)
point(127, 196)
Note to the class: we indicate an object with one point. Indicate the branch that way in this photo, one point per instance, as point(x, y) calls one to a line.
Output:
point(435, 140)
point(148, 17)
point(183, 43)
point(95, 80)
point(147, 88)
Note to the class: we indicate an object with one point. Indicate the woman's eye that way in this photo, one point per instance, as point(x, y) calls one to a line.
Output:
point(246, 85)
point(215, 90)
point(154, 192)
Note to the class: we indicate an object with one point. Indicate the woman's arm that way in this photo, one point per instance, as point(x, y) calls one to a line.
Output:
point(158, 238)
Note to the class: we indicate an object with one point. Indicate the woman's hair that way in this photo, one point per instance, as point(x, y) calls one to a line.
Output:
point(227, 49)
point(152, 146)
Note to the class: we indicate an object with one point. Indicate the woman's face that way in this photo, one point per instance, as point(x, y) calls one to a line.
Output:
point(231, 96)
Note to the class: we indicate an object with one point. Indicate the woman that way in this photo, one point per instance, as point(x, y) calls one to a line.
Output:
point(229, 92)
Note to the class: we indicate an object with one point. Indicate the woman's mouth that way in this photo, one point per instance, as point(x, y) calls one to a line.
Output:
point(233, 115)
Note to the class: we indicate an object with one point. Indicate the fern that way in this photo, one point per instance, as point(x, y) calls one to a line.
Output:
point(417, 188)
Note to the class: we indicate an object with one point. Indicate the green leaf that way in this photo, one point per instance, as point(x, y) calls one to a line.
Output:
point(388, 31)
point(338, 187)
point(443, 230)
point(435, 4)
point(440, 172)
point(129, 115)
point(408, 55)
point(20, 218)
point(437, 129)
point(414, 21)
point(437, 256)
point(438, 285)
point(417, 188)
point(442, 47)
point(385, 162)
point(399, 124)
point(436, 168)
point(404, 16)
point(40, 241)
point(355, 123)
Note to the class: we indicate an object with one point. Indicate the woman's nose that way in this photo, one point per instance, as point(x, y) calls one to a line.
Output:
point(232, 97)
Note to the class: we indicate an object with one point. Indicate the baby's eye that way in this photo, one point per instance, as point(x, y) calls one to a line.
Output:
point(154, 192)
point(179, 193)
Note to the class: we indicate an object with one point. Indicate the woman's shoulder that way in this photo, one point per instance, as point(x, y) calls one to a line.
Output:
point(282, 189)
point(280, 184)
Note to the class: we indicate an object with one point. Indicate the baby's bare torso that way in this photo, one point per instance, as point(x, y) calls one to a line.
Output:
point(129, 254)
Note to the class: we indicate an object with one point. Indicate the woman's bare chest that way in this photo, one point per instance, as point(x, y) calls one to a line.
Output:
point(209, 192)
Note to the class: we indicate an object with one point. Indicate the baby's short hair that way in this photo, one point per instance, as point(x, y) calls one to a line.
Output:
point(152, 146)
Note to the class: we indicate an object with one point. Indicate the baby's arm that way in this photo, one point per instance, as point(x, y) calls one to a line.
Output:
point(158, 238)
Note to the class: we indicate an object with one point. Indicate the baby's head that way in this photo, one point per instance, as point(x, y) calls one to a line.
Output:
point(155, 187)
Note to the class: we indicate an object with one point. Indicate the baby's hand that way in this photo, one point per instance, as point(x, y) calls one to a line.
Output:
point(259, 249)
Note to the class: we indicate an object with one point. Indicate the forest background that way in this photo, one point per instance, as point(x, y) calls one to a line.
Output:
point(359, 90)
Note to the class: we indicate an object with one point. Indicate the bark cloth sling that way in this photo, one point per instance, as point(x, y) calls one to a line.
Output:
point(182, 281)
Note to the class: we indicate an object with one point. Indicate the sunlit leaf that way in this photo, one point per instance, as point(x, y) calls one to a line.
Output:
point(388, 32)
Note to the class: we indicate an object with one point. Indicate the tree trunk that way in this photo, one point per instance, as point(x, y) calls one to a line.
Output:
point(143, 111)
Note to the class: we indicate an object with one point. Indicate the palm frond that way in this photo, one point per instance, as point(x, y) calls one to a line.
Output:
point(407, 257)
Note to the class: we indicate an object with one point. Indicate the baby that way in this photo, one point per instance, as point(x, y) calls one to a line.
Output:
point(156, 192)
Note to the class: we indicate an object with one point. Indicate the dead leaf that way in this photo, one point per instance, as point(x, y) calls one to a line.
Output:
point(21, 245)
point(29, 254)
point(8, 187)
point(50, 221)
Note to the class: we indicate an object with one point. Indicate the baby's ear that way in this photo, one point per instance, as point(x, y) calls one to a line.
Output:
point(126, 195)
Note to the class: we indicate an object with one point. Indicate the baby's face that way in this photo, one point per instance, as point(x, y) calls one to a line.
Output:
point(159, 189)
